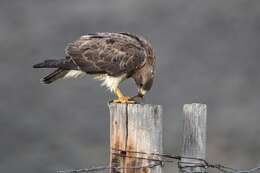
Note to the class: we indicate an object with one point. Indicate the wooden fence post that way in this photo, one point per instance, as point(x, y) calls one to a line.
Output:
point(194, 137)
point(134, 127)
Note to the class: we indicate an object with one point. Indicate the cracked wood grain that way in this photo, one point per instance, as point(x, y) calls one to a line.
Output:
point(135, 127)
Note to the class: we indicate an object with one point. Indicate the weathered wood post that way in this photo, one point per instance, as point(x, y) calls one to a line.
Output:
point(194, 136)
point(135, 127)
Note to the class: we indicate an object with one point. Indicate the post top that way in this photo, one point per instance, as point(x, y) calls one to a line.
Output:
point(194, 106)
point(134, 105)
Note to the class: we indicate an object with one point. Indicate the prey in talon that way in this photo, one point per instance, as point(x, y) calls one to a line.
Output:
point(111, 58)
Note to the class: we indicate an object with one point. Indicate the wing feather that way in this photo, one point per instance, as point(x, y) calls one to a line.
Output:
point(110, 53)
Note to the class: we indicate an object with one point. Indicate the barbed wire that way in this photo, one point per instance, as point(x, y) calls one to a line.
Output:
point(184, 163)
point(102, 168)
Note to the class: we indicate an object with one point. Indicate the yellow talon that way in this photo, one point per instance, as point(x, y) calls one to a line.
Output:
point(122, 98)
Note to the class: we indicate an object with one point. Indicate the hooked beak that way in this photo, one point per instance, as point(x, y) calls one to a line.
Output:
point(141, 92)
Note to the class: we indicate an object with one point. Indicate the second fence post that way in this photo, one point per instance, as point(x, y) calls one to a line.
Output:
point(194, 137)
point(136, 128)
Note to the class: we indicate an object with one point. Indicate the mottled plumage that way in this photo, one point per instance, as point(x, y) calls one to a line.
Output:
point(111, 57)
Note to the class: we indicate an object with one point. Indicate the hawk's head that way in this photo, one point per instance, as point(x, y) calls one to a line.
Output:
point(144, 78)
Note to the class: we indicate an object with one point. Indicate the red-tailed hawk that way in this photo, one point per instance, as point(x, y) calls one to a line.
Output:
point(110, 57)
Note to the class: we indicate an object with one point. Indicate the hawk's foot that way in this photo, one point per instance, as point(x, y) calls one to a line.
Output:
point(125, 99)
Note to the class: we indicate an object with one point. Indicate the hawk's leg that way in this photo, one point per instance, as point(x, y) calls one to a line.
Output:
point(122, 99)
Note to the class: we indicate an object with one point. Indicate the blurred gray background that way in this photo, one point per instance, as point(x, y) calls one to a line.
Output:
point(207, 51)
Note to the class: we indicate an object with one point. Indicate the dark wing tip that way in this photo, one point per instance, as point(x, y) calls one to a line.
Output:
point(38, 65)
point(45, 81)
point(42, 64)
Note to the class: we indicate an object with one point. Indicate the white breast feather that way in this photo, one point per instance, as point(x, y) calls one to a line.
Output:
point(111, 82)
point(74, 74)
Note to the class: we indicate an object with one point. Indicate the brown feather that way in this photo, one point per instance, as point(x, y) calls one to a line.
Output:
point(110, 53)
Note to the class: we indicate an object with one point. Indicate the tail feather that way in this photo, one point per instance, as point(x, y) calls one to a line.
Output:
point(65, 69)
point(57, 74)
point(47, 64)
point(62, 63)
